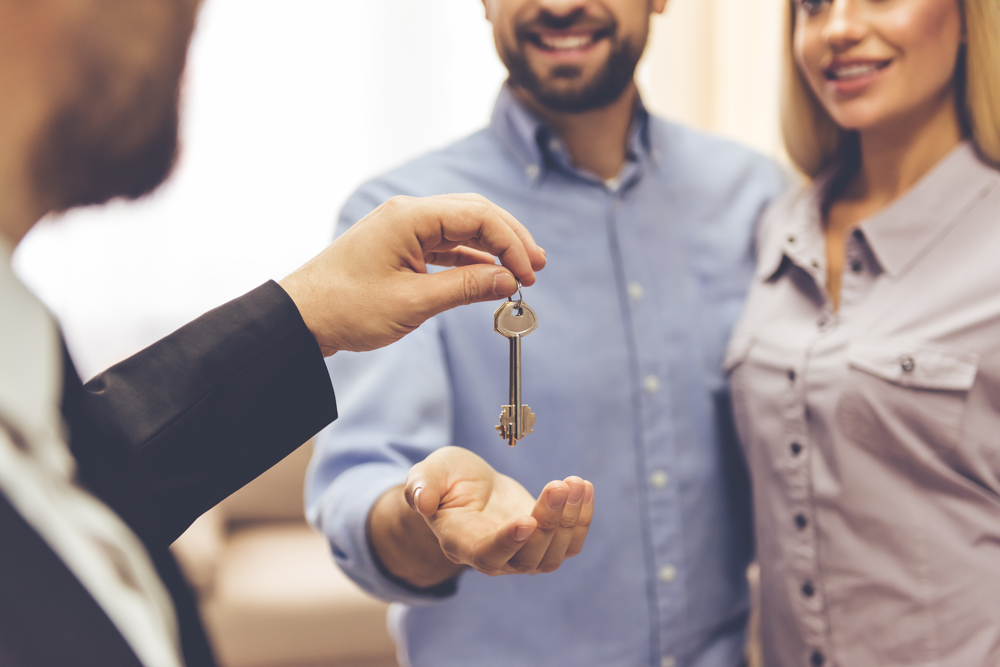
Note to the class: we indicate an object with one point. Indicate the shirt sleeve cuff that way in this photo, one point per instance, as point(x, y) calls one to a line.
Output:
point(343, 518)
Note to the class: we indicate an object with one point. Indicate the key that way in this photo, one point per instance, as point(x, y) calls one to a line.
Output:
point(513, 320)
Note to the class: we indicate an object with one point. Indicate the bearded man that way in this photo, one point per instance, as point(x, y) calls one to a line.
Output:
point(96, 481)
point(648, 228)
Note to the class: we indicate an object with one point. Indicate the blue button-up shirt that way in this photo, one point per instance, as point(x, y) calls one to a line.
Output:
point(646, 274)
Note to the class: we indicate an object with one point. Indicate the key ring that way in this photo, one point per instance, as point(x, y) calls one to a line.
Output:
point(520, 299)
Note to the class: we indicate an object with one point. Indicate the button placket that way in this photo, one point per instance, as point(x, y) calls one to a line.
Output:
point(799, 529)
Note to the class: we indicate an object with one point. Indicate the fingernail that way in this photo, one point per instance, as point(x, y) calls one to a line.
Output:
point(504, 284)
point(557, 499)
point(416, 498)
point(576, 492)
point(589, 495)
point(543, 251)
point(521, 533)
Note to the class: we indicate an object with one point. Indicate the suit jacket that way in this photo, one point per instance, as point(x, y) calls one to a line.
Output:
point(162, 437)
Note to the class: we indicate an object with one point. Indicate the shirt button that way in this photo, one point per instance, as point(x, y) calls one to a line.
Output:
point(856, 266)
point(635, 290)
point(817, 659)
point(651, 384)
point(796, 449)
point(801, 521)
point(668, 573)
point(808, 590)
point(823, 323)
point(668, 661)
point(532, 171)
point(791, 375)
point(659, 479)
point(791, 238)
point(907, 363)
point(815, 263)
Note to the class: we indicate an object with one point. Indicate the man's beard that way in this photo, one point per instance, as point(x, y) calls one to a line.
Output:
point(77, 164)
point(116, 132)
point(605, 87)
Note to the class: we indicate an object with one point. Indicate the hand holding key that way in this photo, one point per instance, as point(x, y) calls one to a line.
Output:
point(489, 521)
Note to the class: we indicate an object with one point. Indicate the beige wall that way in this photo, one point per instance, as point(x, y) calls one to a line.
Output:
point(714, 64)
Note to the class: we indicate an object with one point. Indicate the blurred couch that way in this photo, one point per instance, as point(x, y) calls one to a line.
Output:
point(270, 593)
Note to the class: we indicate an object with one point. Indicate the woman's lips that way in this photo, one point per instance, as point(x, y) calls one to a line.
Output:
point(854, 70)
point(853, 77)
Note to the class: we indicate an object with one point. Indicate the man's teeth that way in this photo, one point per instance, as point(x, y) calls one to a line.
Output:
point(566, 43)
point(855, 71)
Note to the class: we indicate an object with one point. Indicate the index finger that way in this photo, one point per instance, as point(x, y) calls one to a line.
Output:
point(490, 228)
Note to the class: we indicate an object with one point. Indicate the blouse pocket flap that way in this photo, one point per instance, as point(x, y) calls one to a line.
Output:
point(736, 353)
point(915, 363)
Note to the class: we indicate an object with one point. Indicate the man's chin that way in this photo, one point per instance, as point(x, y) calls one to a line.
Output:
point(578, 95)
point(571, 87)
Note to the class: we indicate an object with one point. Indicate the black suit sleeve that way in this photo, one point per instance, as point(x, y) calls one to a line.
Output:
point(200, 413)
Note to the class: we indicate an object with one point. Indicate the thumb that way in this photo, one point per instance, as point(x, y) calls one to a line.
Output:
point(426, 484)
point(464, 285)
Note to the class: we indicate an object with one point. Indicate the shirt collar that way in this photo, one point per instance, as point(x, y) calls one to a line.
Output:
point(901, 233)
point(538, 149)
point(898, 235)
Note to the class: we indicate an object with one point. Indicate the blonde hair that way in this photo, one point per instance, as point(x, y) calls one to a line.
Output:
point(813, 140)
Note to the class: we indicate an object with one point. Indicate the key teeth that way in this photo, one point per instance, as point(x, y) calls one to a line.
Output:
point(527, 420)
point(506, 426)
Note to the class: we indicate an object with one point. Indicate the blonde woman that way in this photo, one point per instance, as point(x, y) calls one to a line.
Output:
point(866, 368)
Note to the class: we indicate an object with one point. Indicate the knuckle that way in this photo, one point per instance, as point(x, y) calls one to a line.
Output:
point(470, 288)
point(486, 568)
point(393, 205)
point(567, 523)
point(547, 527)
point(519, 568)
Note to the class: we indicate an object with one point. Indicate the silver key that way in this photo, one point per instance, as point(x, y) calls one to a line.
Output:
point(513, 320)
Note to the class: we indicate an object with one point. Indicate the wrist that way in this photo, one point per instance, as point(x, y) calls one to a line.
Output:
point(403, 545)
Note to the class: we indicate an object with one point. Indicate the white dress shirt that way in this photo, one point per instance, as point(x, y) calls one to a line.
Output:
point(36, 477)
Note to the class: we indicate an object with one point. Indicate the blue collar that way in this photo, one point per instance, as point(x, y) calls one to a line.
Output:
point(538, 149)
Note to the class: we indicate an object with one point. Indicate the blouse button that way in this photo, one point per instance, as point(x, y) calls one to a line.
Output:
point(796, 448)
point(907, 363)
point(791, 374)
point(856, 266)
point(817, 659)
point(801, 521)
point(808, 590)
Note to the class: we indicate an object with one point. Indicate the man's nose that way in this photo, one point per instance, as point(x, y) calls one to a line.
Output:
point(561, 7)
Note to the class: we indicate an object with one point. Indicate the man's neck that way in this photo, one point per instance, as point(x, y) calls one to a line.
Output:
point(597, 140)
point(17, 210)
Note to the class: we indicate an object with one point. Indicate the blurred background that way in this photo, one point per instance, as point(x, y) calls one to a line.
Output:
point(288, 107)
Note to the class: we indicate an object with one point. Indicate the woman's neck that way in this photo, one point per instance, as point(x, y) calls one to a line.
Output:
point(895, 157)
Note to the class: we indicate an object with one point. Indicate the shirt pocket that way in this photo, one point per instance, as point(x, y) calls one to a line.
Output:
point(736, 352)
point(906, 397)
